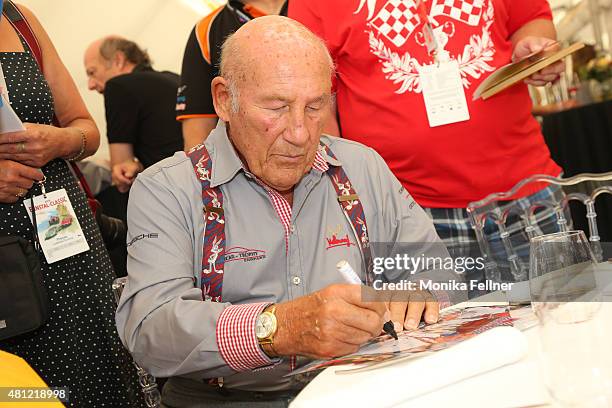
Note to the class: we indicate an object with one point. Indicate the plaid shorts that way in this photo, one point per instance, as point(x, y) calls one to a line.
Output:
point(454, 228)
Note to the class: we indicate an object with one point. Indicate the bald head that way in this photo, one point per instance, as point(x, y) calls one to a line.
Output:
point(274, 95)
point(110, 56)
point(107, 47)
point(92, 53)
point(266, 42)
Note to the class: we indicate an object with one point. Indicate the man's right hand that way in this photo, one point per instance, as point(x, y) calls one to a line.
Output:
point(123, 174)
point(332, 322)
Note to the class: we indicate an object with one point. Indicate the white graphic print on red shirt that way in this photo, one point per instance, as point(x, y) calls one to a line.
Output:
point(397, 22)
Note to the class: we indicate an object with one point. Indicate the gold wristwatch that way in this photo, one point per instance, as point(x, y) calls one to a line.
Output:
point(265, 329)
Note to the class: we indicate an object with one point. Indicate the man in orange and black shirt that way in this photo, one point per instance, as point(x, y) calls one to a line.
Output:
point(194, 105)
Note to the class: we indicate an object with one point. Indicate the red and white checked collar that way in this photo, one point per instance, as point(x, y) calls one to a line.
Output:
point(320, 163)
point(281, 206)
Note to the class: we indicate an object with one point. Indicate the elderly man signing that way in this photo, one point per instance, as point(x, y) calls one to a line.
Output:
point(233, 246)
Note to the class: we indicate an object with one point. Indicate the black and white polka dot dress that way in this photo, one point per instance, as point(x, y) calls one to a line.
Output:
point(78, 347)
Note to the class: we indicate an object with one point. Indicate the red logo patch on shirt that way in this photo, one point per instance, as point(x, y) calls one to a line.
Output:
point(334, 241)
point(243, 254)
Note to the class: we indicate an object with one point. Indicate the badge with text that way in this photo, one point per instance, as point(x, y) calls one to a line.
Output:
point(443, 93)
point(59, 231)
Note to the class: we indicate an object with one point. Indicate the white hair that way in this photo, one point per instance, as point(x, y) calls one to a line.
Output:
point(234, 94)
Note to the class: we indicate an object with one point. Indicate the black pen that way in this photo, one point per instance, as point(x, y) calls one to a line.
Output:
point(349, 274)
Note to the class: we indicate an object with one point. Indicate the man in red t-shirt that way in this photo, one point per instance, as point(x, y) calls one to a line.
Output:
point(380, 47)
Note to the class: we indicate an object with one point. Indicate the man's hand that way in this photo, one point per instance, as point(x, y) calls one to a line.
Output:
point(125, 173)
point(531, 44)
point(407, 308)
point(334, 321)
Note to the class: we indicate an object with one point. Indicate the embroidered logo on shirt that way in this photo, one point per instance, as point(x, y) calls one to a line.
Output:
point(243, 254)
point(335, 239)
point(142, 236)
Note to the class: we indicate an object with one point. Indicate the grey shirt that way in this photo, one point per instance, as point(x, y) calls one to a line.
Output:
point(161, 317)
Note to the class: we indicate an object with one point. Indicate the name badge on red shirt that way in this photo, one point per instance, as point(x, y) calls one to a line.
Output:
point(443, 93)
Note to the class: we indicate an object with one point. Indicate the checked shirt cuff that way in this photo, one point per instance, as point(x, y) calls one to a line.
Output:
point(236, 337)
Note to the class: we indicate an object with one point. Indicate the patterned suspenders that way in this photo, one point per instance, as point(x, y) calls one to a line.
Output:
point(353, 211)
point(213, 251)
point(213, 258)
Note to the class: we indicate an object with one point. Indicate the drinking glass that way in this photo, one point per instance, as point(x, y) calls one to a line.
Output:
point(574, 326)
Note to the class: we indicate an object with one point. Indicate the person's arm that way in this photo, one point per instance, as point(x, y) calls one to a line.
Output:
point(535, 28)
point(120, 153)
point(532, 30)
point(70, 109)
point(194, 106)
point(161, 317)
point(125, 166)
point(196, 130)
point(122, 124)
point(76, 138)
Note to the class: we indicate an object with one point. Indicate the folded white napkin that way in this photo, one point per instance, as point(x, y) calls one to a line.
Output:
point(397, 383)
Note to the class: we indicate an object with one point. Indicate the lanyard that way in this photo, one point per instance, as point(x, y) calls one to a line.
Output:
point(430, 39)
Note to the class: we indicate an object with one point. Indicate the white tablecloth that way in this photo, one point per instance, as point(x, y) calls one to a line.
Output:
point(519, 384)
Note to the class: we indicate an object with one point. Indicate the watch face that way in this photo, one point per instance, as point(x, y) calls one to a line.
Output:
point(264, 326)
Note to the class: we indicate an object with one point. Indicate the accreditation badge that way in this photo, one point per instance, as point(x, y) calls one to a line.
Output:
point(443, 93)
point(59, 232)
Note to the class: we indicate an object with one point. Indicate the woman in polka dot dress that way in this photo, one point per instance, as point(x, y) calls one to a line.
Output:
point(78, 347)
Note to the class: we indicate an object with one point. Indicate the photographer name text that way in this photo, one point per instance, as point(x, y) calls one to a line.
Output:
point(487, 285)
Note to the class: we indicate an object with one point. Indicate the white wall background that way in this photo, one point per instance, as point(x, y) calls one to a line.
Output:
point(160, 26)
